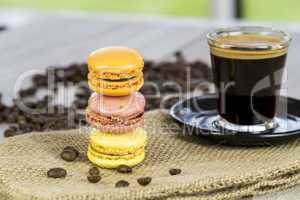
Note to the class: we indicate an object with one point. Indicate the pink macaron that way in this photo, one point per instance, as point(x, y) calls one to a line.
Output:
point(116, 114)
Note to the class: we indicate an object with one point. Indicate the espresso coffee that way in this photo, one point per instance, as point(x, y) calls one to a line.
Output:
point(248, 77)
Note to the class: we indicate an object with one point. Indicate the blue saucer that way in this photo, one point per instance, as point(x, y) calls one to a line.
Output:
point(198, 116)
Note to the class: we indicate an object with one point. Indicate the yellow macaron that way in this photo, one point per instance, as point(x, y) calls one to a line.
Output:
point(115, 71)
point(110, 150)
point(118, 144)
point(110, 161)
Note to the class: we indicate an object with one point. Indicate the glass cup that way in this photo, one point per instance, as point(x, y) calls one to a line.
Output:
point(248, 65)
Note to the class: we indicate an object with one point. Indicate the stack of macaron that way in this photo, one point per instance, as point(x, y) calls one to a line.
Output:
point(116, 108)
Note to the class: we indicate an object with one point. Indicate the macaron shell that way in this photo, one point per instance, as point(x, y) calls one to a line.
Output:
point(122, 107)
point(114, 163)
point(116, 59)
point(119, 142)
point(114, 151)
point(102, 155)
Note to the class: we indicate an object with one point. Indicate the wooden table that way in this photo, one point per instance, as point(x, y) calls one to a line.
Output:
point(36, 40)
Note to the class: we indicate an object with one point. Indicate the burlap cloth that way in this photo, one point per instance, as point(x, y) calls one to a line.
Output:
point(208, 170)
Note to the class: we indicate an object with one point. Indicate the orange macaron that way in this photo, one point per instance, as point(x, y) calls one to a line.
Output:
point(115, 71)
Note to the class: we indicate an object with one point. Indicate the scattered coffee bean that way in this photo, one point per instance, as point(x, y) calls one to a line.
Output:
point(82, 95)
point(144, 181)
point(13, 128)
point(69, 154)
point(122, 183)
point(94, 171)
point(57, 173)
point(70, 148)
point(80, 104)
point(174, 171)
point(26, 128)
point(93, 178)
point(124, 169)
point(9, 133)
point(47, 99)
point(27, 92)
point(40, 79)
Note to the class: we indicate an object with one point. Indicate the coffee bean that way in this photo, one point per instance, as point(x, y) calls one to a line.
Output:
point(71, 149)
point(174, 171)
point(80, 95)
point(144, 181)
point(93, 178)
point(68, 155)
point(40, 80)
point(13, 128)
point(27, 92)
point(122, 183)
point(57, 173)
point(80, 103)
point(84, 89)
point(94, 171)
point(9, 133)
point(30, 105)
point(124, 169)
point(25, 128)
point(47, 99)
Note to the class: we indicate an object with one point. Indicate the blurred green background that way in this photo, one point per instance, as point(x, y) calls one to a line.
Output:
point(253, 9)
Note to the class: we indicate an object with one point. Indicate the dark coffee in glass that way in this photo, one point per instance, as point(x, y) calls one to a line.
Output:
point(248, 65)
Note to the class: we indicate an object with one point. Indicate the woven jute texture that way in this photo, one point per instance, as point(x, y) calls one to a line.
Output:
point(209, 171)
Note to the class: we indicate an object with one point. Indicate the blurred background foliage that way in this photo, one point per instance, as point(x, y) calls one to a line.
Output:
point(252, 9)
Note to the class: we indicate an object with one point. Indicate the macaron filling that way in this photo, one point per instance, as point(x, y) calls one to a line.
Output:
point(118, 80)
point(115, 84)
point(116, 75)
point(117, 151)
point(109, 163)
point(115, 124)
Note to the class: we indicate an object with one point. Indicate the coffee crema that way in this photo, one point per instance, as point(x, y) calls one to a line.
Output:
point(248, 46)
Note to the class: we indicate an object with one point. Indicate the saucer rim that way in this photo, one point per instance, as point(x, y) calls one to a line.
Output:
point(256, 139)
